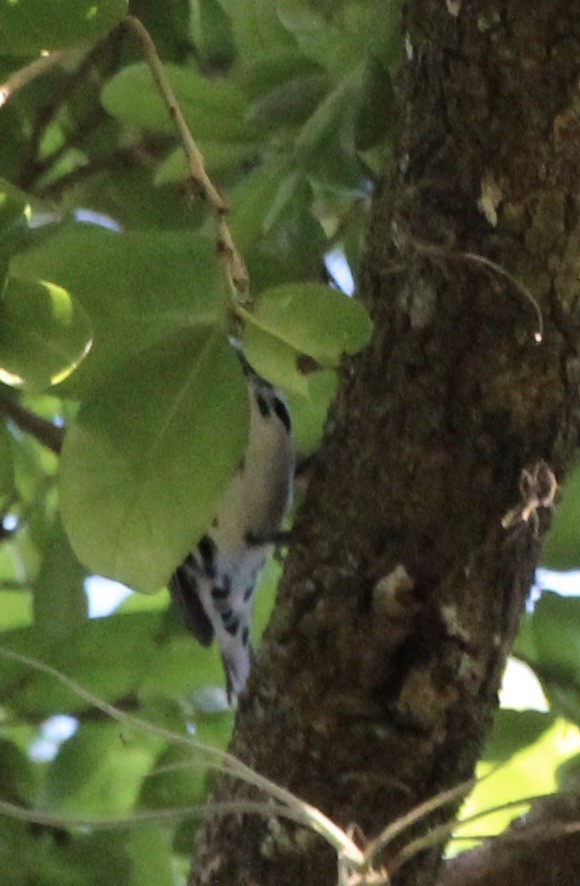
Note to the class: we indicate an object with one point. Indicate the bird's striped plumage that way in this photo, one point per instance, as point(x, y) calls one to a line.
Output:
point(214, 586)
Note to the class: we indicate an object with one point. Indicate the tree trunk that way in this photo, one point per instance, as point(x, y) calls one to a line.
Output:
point(413, 552)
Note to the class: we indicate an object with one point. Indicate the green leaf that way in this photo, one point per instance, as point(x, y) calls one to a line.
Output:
point(251, 201)
point(562, 546)
point(91, 858)
point(325, 147)
point(220, 156)
point(525, 644)
point(44, 334)
point(256, 27)
point(112, 192)
point(274, 360)
point(266, 71)
point(319, 38)
point(149, 850)
point(137, 654)
point(185, 668)
point(513, 730)
point(294, 240)
point(30, 26)
point(273, 224)
point(95, 773)
point(17, 780)
point(354, 234)
point(60, 602)
point(15, 838)
point(292, 101)
point(568, 774)
point(556, 628)
point(551, 645)
point(386, 34)
point(215, 729)
point(15, 605)
point(34, 466)
point(14, 209)
point(532, 771)
point(211, 29)
point(315, 320)
point(375, 105)
point(309, 413)
point(136, 288)
point(556, 632)
point(214, 109)
point(14, 206)
point(265, 597)
point(178, 778)
point(143, 466)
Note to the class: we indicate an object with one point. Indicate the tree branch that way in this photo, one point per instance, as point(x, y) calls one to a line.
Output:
point(541, 847)
point(42, 430)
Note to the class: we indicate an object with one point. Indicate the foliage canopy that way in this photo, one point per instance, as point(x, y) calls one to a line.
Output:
point(116, 314)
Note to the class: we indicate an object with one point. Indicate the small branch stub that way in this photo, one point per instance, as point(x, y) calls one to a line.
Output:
point(538, 490)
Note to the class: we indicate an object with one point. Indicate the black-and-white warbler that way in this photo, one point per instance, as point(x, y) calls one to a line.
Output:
point(214, 586)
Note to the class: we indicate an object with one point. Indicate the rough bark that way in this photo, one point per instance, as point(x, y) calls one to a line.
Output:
point(377, 680)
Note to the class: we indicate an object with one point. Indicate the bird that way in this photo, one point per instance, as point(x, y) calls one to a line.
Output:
point(214, 585)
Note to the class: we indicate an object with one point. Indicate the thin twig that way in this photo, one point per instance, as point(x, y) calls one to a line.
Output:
point(42, 430)
point(417, 814)
point(434, 251)
point(28, 73)
point(49, 819)
point(523, 290)
point(235, 269)
point(293, 807)
point(444, 831)
point(496, 268)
